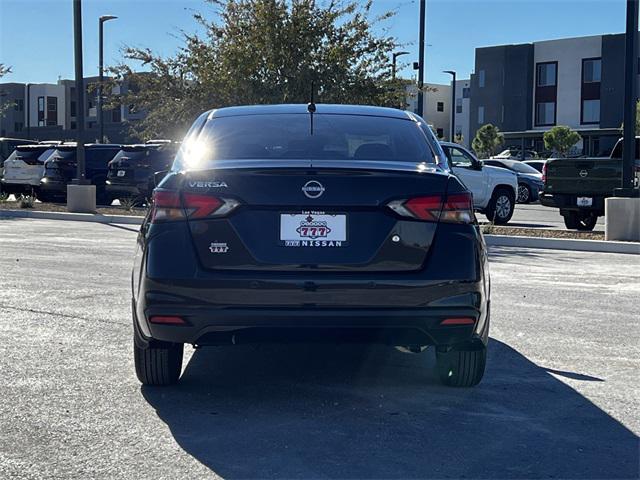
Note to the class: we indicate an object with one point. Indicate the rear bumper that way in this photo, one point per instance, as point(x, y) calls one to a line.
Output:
point(126, 190)
point(570, 202)
point(17, 186)
point(53, 186)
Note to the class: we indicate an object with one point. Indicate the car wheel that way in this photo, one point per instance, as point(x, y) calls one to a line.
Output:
point(461, 368)
point(587, 222)
point(570, 220)
point(524, 193)
point(501, 206)
point(158, 364)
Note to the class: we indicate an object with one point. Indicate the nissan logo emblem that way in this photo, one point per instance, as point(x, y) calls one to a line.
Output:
point(313, 189)
point(583, 173)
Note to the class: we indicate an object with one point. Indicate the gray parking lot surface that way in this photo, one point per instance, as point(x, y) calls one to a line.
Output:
point(534, 215)
point(559, 398)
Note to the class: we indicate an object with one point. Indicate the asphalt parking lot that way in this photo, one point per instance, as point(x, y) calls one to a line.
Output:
point(560, 398)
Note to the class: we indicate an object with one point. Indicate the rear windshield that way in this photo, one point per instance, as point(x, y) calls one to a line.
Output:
point(288, 136)
point(617, 150)
point(26, 153)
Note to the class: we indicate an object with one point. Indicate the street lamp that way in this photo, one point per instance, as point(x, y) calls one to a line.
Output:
point(103, 18)
point(393, 63)
point(453, 103)
point(423, 8)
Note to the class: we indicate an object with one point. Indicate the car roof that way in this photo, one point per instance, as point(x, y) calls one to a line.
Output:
point(321, 108)
point(452, 144)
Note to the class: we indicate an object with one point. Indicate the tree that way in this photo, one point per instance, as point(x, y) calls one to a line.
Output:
point(4, 106)
point(264, 51)
point(560, 139)
point(487, 139)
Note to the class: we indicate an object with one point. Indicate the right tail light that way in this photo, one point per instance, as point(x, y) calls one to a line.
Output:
point(453, 208)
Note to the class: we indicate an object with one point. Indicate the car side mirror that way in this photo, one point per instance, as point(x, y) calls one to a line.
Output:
point(479, 164)
point(159, 176)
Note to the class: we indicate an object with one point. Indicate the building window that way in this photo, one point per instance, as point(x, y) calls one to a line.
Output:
point(440, 107)
point(116, 115)
point(459, 105)
point(458, 131)
point(466, 92)
point(41, 111)
point(481, 78)
point(74, 125)
point(591, 70)
point(440, 132)
point(17, 127)
point(481, 115)
point(591, 111)
point(545, 113)
point(19, 105)
point(72, 108)
point(547, 74)
point(52, 111)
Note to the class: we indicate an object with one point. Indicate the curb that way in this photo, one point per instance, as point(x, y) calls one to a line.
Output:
point(563, 244)
point(76, 217)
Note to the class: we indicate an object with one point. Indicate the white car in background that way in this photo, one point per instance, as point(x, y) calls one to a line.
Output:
point(494, 189)
point(24, 168)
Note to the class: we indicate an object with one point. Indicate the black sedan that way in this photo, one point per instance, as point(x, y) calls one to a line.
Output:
point(298, 223)
point(530, 182)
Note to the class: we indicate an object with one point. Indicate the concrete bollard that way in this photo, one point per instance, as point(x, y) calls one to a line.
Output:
point(81, 198)
point(622, 219)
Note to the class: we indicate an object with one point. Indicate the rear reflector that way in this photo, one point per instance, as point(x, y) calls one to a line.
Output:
point(167, 320)
point(458, 321)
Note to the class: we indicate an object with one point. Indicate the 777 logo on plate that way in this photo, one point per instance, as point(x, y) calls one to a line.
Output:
point(310, 228)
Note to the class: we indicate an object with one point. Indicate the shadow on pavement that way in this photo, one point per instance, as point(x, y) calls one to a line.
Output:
point(373, 412)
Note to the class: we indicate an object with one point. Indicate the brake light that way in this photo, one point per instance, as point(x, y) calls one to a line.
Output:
point(166, 207)
point(544, 172)
point(425, 208)
point(455, 208)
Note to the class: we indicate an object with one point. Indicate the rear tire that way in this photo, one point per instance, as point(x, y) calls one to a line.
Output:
point(501, 206)
point(159, 364)
point(461, 368)
point(585, 222)
point(524, 193)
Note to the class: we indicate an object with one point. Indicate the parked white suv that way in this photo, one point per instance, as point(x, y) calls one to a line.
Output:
point(24, 168)
point(494, 189)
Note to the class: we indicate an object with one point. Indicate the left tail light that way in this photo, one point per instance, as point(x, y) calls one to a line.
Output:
point(170, 206)
point(544, 172)
point(454, 208)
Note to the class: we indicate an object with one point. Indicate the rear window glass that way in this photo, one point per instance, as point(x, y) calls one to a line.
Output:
point(335, 137)
point(522, 167)
point(617, 150)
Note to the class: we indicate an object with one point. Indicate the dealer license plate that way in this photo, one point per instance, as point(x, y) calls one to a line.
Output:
point(313, 229)
point(585, 201)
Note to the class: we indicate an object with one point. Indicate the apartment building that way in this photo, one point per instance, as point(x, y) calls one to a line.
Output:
point(48, 111)
point(527, 89)
point(437, 107)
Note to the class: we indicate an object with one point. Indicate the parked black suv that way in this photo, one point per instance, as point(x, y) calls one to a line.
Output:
point(131, 170)
point(61, 167)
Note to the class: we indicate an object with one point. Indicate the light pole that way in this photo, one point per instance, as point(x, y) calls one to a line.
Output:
point(630, 99)
point(453, 104)
point(28, 102)
point(423, 8)
point(395, 56)
point(103, 18)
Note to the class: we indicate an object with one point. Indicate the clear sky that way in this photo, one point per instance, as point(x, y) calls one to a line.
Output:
point(36, 36)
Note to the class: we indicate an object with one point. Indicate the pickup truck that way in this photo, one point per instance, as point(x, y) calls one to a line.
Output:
point(578, 186)
point(494, 189)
